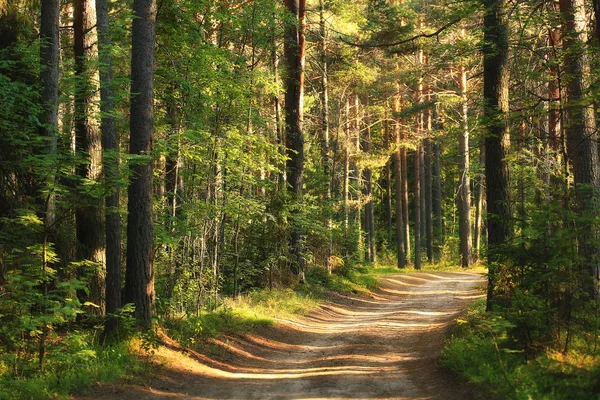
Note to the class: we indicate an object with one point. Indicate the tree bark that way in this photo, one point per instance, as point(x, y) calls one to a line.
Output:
point(89, 213)
point(139, 277)
point(398, 186)
point(464, 188)
point(388, 178)
point(294, 46)
point(428, 193)
point(49, 56)
point(582, 138)
point(368, 191)
point(418, 210)
point(495, 94)
point(110, 165)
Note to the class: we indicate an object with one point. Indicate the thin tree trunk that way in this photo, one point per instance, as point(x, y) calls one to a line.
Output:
point(495, 94)
point(388, 178)
point(436, 192)
point(110, 162)
point(89, 213)
point(479, 195)
point(368, 191)
point(398, 186)
point(464, 188)
point(346, 185)
point(418, 207)
point(139, 276)
point(325, 128)
point(294, 46)
point(428, 194)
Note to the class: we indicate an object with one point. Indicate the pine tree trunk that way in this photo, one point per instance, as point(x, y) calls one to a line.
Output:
point(368, 191)
point(388, 178)
point(294, 46)
point(139, 276)
point(400, 240)
point(89, 214)
point(436, 197)
point(428, 194)
point(418, 210)
point(495, 94)
point(479, 195)
point(49, 57)
point(325, 128)
point(464, 188)
point(582, 138)
point(110, 162)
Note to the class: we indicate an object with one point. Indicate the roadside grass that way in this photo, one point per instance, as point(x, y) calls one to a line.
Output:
point(480, 352)
point(260, 308)
point(74, 363)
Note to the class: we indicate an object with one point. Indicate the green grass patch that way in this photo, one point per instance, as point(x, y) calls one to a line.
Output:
point(480, 351)
point(73, 367)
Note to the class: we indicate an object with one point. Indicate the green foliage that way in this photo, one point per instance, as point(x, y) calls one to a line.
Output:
point(482, 351)
point(74, 363)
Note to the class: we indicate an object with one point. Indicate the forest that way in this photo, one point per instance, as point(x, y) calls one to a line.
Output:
point(166, 163)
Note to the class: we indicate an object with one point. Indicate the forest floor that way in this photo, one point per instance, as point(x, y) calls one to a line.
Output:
point(382, 346)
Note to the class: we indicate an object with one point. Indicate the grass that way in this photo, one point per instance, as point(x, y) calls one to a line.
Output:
point(73, 365)
point(480, 352)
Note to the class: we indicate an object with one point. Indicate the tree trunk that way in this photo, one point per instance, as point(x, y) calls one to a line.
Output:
point(139, 276)
point(495, 94)
point(110, 165)
point(325, 128)
point(346, 185)
point(436, 192)
point(294, 99)
point(479, 195)
point(398, 186)
point(49, 56)
point(464, 188)
point(388, 178)
point(582, 138)
point(368, 191)
point(418, 207)
point(428, 193)
point(89, 213)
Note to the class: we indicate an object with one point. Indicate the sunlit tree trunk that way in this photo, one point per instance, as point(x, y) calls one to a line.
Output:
point(387, 177)
point(398, 186)
point(464, 188)
point(418, 157)
point(368, 191)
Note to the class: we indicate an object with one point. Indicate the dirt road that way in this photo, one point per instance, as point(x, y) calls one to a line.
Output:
point(382, 347)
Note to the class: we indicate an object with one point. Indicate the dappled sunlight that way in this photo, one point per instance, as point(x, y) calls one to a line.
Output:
point(377, 347)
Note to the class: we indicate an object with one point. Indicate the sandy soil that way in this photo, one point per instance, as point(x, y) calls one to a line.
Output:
point(382, 347)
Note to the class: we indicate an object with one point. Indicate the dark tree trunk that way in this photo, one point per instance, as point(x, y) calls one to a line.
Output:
point(50, 55)
point(294, 98)
point(111, 167)
point(495, 94)
point(479, 195)
point(89, 212)
point(139, 276)
point(582, 138)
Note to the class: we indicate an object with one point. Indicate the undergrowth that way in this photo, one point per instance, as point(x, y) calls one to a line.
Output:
point(481, 351)
point(74, 362)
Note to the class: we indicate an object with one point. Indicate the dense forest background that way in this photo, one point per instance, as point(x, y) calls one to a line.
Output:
point(157, 157)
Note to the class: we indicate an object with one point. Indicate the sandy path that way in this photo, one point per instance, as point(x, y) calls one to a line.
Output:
point(382, 347)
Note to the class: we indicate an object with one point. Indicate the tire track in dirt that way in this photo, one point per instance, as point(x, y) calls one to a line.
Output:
point(385, 346)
